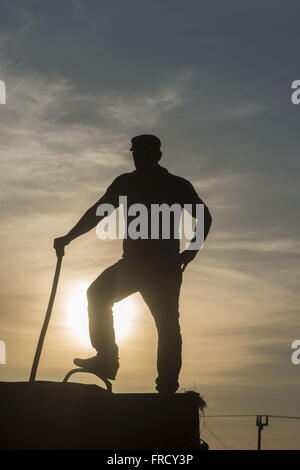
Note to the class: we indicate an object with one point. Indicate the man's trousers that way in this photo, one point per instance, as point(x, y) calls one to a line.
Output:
point(159, 283)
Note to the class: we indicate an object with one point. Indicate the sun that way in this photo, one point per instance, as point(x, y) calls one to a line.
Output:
point(124, 312)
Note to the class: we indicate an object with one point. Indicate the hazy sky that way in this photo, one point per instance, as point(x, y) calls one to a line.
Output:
point(213, 80)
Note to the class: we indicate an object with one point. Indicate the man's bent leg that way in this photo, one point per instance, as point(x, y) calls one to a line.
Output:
point(114, 284)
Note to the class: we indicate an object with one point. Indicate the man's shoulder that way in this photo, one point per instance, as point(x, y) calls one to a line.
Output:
point(185, 190)
point(183, 182)
point(128, 178)
point(123, 178)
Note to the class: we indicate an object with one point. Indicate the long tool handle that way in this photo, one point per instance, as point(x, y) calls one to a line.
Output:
point(38, 351)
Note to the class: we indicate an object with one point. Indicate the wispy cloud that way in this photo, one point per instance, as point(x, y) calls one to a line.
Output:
point(279, 245)
point(149, 109)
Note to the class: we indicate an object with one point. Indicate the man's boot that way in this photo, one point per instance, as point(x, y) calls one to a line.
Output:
point(107, 367)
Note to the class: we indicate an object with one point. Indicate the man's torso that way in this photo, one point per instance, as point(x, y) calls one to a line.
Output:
point(157, 188)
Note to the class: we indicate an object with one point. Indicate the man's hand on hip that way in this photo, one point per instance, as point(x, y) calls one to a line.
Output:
point(186, 257)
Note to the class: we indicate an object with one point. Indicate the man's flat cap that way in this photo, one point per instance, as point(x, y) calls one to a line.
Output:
point(147, 141)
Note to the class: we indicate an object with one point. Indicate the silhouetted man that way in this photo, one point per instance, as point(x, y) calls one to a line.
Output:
point(151, 266)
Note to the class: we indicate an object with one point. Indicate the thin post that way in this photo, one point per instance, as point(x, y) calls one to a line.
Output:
point(260, 424)
point(47, 318)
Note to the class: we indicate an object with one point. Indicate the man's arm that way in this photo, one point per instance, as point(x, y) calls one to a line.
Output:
point(193, 199)
point(206, 224)
point(89, 220)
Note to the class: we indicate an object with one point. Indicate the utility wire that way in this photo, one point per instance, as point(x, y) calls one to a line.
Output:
point(260, 415)
point(207, 428)
point(285, 417)
point(254, 415)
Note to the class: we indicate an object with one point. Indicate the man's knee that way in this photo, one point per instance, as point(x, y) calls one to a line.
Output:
point(100, 291)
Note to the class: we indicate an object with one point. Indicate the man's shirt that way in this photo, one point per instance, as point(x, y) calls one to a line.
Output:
point(159, 187)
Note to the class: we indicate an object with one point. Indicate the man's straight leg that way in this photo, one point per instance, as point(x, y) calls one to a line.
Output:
point(161, 293)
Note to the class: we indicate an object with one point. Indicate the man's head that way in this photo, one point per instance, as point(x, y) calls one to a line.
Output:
point(145, 150)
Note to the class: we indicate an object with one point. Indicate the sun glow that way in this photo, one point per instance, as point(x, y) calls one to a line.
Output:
point(124, 312)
